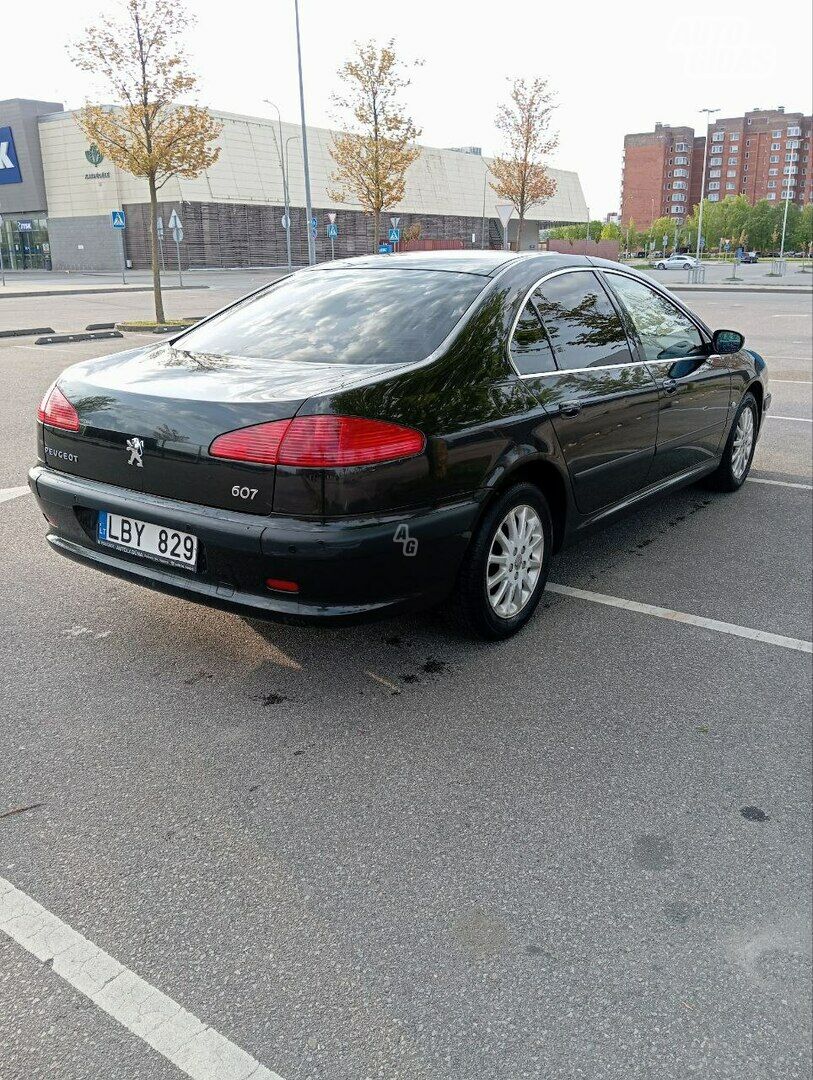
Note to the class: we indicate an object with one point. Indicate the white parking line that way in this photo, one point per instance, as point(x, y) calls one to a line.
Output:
point(780, 483)
point(6, 494)
point(794, 382)
point(798, 419)
point(167, 1027)
point(682, 617)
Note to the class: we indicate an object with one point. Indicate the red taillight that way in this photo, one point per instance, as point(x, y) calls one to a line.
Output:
point(319, 442)
point(57, 412)
point(281, 585)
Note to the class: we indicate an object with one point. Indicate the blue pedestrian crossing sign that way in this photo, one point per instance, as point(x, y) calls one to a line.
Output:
point(332, 231)
point(384, 249)
point(394, 236)
point(117, 219)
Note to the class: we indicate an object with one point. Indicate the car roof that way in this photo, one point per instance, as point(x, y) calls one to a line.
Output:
point(487, 263)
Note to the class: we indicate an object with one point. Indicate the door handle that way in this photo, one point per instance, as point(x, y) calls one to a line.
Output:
point(570, 408)
point(670, 386)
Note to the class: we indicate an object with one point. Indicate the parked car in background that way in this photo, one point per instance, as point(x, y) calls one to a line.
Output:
point(677, 262)
point(749, 257)
point(378, 434)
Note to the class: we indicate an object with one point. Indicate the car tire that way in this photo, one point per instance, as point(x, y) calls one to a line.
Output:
point(738, 454)
point(660, 266)
point(476, 606)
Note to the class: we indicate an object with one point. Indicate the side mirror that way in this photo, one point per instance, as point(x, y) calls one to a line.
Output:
point(726, 342)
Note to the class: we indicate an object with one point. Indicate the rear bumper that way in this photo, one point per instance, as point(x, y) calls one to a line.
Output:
point(347, 570)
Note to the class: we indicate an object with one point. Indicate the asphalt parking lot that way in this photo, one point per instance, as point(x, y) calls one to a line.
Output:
point(386, 852)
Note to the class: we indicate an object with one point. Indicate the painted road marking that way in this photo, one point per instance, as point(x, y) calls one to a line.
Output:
point(196, 1049)
point(6, 494)
point(384, 682)
point(682, 617)
point(798, 419)
point(779, 483)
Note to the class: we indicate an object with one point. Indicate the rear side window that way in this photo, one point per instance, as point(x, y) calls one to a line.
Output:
point(584, 328)
point(343, 317)
point(530, 350)
point(665, 332)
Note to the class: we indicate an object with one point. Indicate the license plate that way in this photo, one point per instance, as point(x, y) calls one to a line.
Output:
point(152, 541)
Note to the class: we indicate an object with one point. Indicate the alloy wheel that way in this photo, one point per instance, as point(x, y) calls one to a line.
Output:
point(514, 561)
point(743, 443)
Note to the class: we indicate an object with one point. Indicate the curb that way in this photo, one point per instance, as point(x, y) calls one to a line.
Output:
point(91, 291)
point(791, 290)
point(58, 339)
point(27, 333)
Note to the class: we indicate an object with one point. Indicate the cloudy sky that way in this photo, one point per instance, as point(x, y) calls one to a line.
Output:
point(615, 68)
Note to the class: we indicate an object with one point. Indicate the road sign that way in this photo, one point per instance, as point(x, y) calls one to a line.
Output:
point(159, 224)
point(394, 235)
point(174, 220)
point(332, 231)
point(285, 222)
point(384, 249)
point(314, 223)
point(332, 218)
point(394, 222)
point(118, 219)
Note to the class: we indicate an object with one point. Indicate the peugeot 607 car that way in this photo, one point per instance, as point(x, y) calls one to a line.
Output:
point(389, 433)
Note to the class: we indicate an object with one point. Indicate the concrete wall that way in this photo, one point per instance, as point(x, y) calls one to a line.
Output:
point(84, 243)
point(599, 249)
point(248, 171)
point(20, 115)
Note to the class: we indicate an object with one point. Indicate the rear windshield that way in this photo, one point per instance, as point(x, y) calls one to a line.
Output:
point(343, 317)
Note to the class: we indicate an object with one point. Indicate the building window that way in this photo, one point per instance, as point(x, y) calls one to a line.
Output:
point(747, 142)
point(715, 172)
point(680, 147)
point(776, 134)
point(731, 187)
point(793, 144)
point(789, 169)
point(774, 159)
point(734, 149)
point(714, 185)
point(681, 160)
point(773, 172)
point(680, 184)
point(715, 161)
point(791, 157)
point(678, 196)
point(794, 131)
point(714, 197)
point(771, 183)
point(732, 161)
point(681, 172)
point(731, 172)
point(776, 146)
point(677, 209)
point(771, 194)
point(717, 136)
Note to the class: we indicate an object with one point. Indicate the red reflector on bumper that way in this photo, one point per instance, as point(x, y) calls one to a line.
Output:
point(280, 585)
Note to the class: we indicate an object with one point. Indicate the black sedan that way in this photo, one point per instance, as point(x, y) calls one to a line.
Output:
point(387, 433)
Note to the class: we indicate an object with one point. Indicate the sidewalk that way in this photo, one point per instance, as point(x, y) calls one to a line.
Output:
point(21, 283)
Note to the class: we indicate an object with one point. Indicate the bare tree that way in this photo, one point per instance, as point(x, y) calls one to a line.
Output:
point(521, 176)
point(148, 133)
point(372, 156)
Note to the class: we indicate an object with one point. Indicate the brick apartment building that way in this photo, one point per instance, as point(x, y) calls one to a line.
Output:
point(762, 155)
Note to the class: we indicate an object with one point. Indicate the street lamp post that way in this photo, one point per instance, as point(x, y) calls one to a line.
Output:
point(709, 113)
point(308, 205)
point(784, 227)
point(283, 167)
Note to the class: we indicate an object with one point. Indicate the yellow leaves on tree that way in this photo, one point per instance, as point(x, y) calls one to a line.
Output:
point(372, 156)
point(148, 131)
point(520, 174)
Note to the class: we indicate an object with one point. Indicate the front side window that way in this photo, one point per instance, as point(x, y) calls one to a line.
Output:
point(665, 332)
point(530, 350)
point(353, 316)
point(584, 328)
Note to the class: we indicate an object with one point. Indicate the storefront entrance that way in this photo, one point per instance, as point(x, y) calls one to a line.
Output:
point(24, 242)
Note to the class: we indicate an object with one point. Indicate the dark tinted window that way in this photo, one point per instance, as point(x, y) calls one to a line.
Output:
point(665, 332)
point(343, 317)
point(583, 326)
point(530, 350)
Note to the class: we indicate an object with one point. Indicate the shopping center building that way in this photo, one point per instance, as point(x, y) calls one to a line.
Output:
point(57, 193)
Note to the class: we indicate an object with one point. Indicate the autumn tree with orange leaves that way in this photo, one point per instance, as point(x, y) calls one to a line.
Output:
point(374, 152)
point(521, 177)
point(148, 133)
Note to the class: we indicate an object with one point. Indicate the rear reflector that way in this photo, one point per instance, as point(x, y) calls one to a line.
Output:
point(319, 442)
point(280, 585)
point(57, 412)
